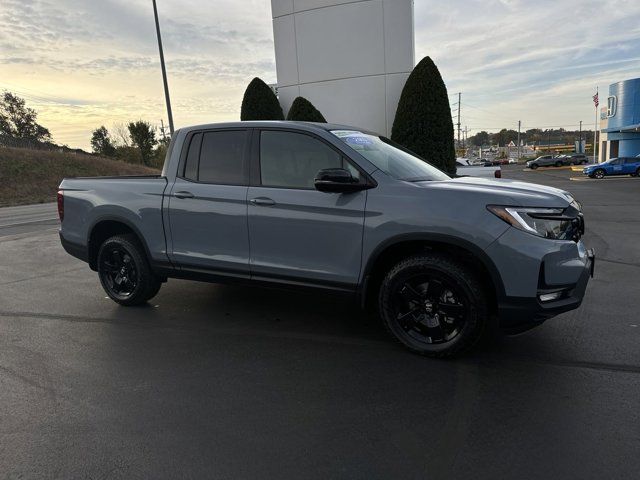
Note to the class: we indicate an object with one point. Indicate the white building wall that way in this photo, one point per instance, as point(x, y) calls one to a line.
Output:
point(349, 58)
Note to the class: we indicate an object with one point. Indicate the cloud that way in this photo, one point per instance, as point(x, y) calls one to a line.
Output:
point(92, 62)
point(539, 62)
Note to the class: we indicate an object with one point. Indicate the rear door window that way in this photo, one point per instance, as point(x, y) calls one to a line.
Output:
point(222, 158)
point(191, 166)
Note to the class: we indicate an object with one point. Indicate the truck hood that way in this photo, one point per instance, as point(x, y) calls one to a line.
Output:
point(506, 192)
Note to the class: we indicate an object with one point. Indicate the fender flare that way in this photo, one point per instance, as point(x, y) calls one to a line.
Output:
point(476, 251)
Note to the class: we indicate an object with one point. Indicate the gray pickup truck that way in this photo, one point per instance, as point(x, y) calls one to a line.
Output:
point(333, 207)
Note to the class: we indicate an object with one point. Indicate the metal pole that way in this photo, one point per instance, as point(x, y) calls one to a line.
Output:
point(580, 139)
point(519, 139)
point(164, 70)
point(459, 97)
point(595, 130)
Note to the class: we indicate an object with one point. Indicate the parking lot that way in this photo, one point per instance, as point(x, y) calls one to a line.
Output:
point(213, 381)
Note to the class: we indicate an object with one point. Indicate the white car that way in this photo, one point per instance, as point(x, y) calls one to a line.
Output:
point(465, 168)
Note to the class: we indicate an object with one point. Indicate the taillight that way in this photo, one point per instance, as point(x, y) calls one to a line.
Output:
point(61, 205)
point(497, 173)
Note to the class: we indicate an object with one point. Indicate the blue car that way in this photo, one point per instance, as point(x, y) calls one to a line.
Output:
point(614, 166)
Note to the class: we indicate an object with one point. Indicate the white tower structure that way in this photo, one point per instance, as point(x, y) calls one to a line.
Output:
point(349, 58)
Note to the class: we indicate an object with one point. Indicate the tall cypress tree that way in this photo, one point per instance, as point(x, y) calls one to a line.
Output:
point(423, 121)
point(260, 103)
point(302, 110)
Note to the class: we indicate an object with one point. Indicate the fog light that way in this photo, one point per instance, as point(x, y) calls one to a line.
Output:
point(547, 297)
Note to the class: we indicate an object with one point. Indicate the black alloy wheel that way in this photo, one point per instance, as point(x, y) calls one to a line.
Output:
point(430, 308)
point(124, 271)
point(433, 305)
point(118, 272)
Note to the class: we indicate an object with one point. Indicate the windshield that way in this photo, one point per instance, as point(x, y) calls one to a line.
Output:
point(389, 157)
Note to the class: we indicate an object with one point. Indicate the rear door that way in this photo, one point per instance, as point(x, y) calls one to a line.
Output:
point(208, 204)
point(630, 165)
point(297, 233)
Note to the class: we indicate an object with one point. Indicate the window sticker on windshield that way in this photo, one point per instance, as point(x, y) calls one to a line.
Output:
point(358, 140)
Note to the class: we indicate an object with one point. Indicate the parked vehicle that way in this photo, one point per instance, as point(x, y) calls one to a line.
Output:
point(614, 166)
point(548, 161)
point(332, 207)
point(465, 167)
point(578, 159)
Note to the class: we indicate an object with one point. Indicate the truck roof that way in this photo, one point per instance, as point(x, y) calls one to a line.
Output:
point(305, 126)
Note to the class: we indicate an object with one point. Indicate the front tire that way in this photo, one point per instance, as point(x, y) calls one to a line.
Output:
point(433, 305)
point(124, 271)
point(534, 166)
point(600, 173)
point(558, 164)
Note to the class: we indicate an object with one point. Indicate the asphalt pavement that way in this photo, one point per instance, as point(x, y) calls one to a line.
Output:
point(212, 381)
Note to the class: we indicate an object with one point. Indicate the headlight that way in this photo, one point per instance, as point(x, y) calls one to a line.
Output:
point(553, 223)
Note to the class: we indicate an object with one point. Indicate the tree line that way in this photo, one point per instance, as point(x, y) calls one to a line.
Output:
point(535, 136)
point(134, 143)
point(18, 121)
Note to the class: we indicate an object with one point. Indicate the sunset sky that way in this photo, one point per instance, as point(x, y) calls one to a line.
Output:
point(82, 63)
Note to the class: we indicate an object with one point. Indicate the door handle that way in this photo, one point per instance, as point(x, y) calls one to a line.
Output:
point(262, 201)
point(183, 195)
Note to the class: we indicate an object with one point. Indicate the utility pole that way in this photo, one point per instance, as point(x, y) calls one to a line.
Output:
point(164, 70)
point(595, 129)
point(459, 98)
point(580, 139)
point(162, 127)
point(519, 122)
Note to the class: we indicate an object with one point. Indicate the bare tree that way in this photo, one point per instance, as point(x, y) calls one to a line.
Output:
point(120, 134)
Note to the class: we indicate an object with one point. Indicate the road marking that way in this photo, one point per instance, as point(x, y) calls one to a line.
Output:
point(543, 169)
point(587, 179)
point(26, 222)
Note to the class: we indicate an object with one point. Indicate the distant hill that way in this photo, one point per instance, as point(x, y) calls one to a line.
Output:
point(32, 176)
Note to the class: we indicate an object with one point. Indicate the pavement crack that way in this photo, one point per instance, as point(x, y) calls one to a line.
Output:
point(42, 276)
point(619, 262)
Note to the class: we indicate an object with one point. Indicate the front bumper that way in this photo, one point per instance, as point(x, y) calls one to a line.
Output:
point(518, 314)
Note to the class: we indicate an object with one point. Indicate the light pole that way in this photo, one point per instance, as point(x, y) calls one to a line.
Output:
point(164, 70)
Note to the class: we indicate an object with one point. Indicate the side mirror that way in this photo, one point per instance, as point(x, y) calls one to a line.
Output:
point(337, 180)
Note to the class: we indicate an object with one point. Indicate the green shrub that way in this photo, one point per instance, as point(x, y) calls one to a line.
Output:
point(302, 110)
point(423, 121)
point(260, 103)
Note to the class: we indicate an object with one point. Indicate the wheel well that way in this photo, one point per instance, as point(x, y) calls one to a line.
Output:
point(100, 232)
point(398, 251)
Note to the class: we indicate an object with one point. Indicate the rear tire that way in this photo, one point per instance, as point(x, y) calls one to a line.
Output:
point(637, 174)
point(433, 305)
point(124, 271)
point(558, 164)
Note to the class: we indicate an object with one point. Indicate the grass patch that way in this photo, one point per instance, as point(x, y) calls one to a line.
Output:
point(32, 176)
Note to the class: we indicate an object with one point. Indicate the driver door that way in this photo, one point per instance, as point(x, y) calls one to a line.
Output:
point(298, 234)
point(615, 166)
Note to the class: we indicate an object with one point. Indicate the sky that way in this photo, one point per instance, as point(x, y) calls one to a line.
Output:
point(82, 64)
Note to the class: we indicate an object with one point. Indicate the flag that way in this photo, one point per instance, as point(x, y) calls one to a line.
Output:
point(595, 100)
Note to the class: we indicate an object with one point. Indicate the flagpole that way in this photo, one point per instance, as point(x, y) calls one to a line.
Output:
point(595, 128)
